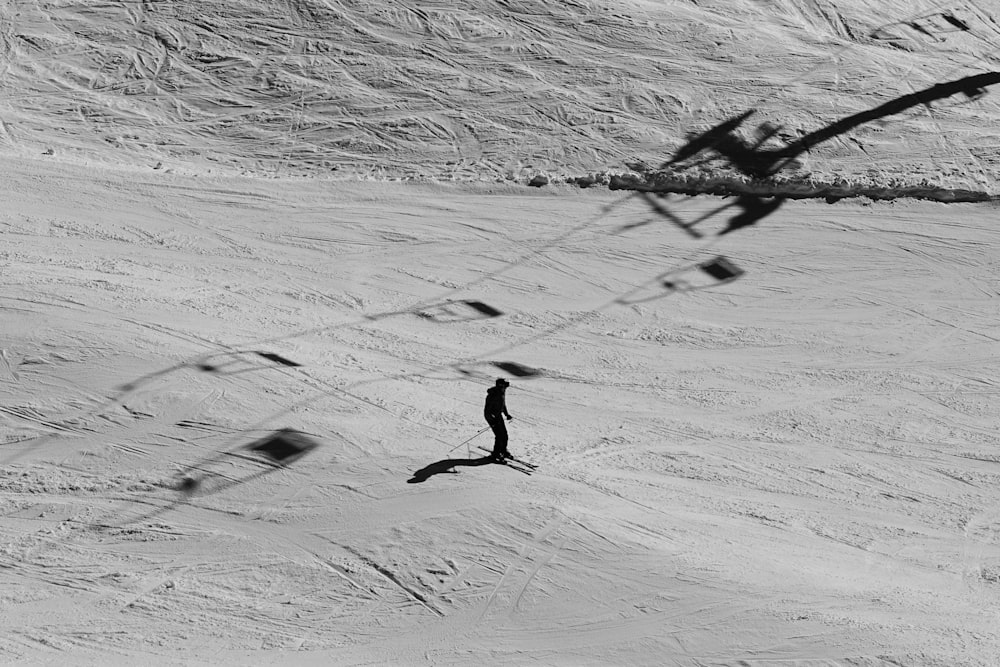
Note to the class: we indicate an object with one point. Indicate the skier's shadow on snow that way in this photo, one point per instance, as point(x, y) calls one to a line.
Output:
point(445, 465)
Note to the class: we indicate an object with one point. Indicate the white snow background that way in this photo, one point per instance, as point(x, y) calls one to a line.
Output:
point(235, 230)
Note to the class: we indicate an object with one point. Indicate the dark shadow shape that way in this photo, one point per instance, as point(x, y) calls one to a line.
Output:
point(445, 465)
point(924, 31)
point(669, 215)
point(458, 311)
point(484, 308)
point(958, 23)
point(516, 369)
point(752, 160)
point(215, 363)
point(247, 365)
point(510, 367)
point(708, 139)
point(940, 91)
point(754, 209)
point(283, 447)
point(189, 487)
point(720, 269)
point(932, 26)
point(214, 473)
point(278, 359)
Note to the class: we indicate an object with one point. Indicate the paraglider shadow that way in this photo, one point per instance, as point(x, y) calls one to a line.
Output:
point(445, 465)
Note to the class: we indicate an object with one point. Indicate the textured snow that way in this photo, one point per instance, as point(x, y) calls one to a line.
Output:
point(260, 262)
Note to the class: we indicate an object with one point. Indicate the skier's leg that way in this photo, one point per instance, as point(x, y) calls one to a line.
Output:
point(500, 435)
point(501, 431)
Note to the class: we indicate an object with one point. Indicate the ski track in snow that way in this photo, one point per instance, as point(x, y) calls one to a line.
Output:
point(491, 89)
point(797, 467)
point(803, 457)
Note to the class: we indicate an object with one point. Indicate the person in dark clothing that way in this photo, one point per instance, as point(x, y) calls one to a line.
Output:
point(494, 411)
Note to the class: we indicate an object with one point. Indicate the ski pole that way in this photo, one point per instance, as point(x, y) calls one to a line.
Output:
point(469, 440)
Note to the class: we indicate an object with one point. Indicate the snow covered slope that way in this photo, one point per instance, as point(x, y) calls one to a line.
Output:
point(234, 411)
point(801, 464)
point(489, 88)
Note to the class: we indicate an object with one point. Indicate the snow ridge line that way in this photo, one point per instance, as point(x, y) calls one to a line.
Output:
point(802, 189)
point(729, 186)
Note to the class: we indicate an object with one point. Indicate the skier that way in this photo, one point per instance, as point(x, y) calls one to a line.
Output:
point(494, 411)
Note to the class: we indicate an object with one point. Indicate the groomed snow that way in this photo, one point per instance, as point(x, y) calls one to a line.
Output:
point(795, 467)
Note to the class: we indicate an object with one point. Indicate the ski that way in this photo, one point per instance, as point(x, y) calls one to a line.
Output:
point(515, 460)
point(513, 465)
point(522, 462)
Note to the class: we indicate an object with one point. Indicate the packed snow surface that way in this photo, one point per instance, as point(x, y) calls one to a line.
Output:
point(261, 261)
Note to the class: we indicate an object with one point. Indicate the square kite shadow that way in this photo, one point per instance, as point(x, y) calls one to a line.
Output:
point(283, 447)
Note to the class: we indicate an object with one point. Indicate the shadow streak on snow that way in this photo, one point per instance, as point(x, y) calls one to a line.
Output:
point(751, 159)
point(188, 491)
point(229, 362)
point(733, 185)
point(754, 160)
point(224, 470)
point(273, 452)
point(445, 465)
